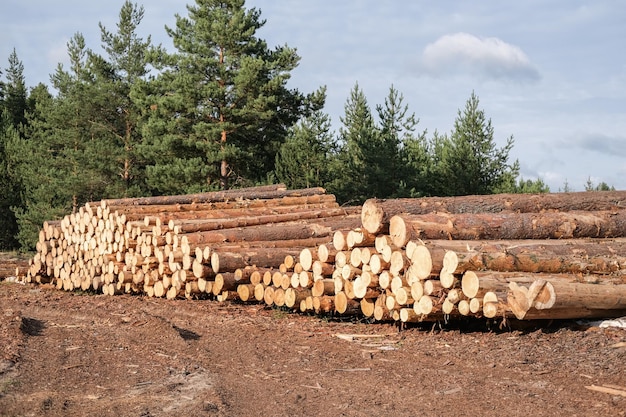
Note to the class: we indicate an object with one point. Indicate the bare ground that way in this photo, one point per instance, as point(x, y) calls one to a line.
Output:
point(92, 355)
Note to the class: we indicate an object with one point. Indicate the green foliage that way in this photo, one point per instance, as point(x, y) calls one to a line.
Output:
point(392, 172)
point(13, 107)
point(222, 99)
point(469, 161)
point(125, 65)
point(358, 140)
point(14, 92)
point(531, 187)
point(304, 159)
point(603, 186)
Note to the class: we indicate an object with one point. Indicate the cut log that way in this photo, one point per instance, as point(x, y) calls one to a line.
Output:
point(251, 219)
point(597, 256)
point(376, 214)
point(252, 193)
point(286, 231)
point(260, 257)
point(548, 225)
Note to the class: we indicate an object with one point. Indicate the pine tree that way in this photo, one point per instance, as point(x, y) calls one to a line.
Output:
point(358, 138)
point(123, 66)
point(220, 107)
point(303, 160)
point(469, 162)
point(13, 107)
point(399, 148)
point(15, 92)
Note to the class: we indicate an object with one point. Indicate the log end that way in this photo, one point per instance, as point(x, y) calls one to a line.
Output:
point(372, 216)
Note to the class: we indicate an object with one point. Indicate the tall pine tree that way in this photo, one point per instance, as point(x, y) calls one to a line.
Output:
point(469, 162)
point(220, 108)
point(354, 171)
point(398, 148)
point(124, 64)
point(13, 108)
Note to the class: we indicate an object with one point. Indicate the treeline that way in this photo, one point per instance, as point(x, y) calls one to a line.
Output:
point(135, 120)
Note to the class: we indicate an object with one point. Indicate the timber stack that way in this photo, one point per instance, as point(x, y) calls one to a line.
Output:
point(544, 256)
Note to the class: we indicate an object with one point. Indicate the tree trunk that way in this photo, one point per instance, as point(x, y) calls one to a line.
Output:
point(584, 256)
point(548, 225)
point(209, 222)
point(252, 193)
point(376, 213)
point(222, 261)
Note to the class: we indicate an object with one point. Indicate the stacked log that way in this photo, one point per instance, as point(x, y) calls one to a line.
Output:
point(545, 256)
point(186, 245)
point(548, 256)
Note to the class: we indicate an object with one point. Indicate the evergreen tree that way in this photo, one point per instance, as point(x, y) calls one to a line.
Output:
point(603, 186)
point(32, 172)
point(13, 106)
point(220, 108)
point(531, 187)
point(303, 160)
point(15, 92)
point(354, 180)
point(469, 162)
point(123, 66)
point(399, 149)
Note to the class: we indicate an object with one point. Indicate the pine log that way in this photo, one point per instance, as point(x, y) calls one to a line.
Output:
point(548, 225)
point(584, 256)
point(252, 193)
point(260, 257)
point(286, 231)
point(375, 214)
point(210, 221)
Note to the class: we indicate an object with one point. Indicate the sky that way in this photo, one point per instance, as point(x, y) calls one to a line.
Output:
point(549, 73)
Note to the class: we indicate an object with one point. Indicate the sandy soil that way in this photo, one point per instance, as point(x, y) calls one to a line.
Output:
point(92, 355)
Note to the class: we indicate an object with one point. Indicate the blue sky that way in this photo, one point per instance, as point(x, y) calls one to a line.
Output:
point(550, 73)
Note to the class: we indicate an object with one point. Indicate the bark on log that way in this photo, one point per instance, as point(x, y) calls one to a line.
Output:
point(222, 261)
point(252, 193)
point(548, 225)
point(218, 223)
point(584, 256)
point(166, 212)
point(376, 213)
point(286, 231)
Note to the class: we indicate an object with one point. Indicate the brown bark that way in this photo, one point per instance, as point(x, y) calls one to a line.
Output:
point(230, 261)
point(212, 222)
point(548, 225)
point(198, 210)
point(585, 256)
point(252, 193)
point(377, 213)
point(286, 231)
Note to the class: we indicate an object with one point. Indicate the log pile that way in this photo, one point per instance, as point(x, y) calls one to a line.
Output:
point(186, 245)
point(546, 256)
point(409, 260)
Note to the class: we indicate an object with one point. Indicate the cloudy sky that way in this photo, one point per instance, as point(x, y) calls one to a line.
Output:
point(550, 73)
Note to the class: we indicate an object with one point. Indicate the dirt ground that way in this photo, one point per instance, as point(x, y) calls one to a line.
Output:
point(70, 354)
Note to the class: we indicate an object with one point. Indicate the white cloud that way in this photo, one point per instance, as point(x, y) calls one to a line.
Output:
point(463, 53)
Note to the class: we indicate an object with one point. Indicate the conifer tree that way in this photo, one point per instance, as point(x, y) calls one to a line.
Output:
point(220, 107)
point(303, 161)
point(15, 92)
point(13, 107)
point(399, 157)
point(117, 72)
point(469, 162)
point(358, 140)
